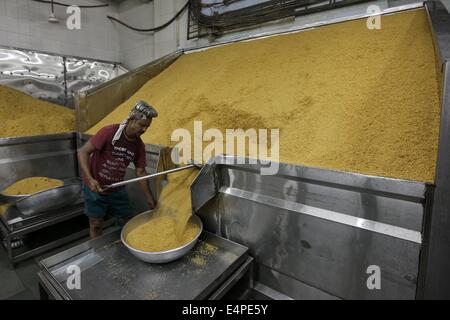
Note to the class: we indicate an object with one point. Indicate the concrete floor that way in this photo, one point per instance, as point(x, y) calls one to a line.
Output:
point(22, 283)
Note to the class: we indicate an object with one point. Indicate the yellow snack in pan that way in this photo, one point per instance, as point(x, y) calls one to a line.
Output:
point(31, 185)
point(23, 115)
point(169, 228)
point(159, 234)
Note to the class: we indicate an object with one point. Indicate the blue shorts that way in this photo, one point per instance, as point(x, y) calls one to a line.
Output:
point(97, 205)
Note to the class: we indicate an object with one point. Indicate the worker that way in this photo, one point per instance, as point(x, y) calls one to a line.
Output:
point(103, 161)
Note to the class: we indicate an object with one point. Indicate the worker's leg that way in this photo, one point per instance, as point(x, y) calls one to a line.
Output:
point(95, 227)
point(120, 206)
point(95, 208)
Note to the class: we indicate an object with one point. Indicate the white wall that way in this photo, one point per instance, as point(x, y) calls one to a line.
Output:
point(139, 48)
point(23, 24)
point(136, 48)
point(170, 38)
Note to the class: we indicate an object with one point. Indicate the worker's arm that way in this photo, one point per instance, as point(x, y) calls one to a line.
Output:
point(83, 158)
point(144, 184)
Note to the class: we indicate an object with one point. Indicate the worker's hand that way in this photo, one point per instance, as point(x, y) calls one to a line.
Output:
point(94, 186)
point(150, 202)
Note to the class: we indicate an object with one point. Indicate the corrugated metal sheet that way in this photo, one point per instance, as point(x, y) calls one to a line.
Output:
point(53, 77)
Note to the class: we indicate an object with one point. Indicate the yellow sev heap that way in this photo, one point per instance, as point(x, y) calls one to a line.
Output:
point(344, 97)
point(23, 115)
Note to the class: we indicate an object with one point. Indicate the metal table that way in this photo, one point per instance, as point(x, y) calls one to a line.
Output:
point(35, 230)
point(110, 271)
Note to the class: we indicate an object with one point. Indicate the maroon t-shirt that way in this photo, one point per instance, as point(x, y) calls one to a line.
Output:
point(108, 162)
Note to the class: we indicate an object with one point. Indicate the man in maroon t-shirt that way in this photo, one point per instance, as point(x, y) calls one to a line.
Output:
point(103, 161)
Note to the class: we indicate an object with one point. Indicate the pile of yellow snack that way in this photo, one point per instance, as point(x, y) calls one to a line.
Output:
point(344, 97)
point(23, 115)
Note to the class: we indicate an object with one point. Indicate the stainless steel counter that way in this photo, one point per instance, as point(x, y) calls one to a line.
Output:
point(110, 271)
point(41, 232)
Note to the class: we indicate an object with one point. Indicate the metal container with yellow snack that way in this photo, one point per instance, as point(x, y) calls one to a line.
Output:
point(28, 186)
point(54, 198)
point(162, 256)
point(68, 192)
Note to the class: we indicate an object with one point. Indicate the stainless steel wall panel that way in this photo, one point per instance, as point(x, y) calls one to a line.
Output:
point(439, 19)
point(94, 104)
point(52, 156)
point(329, 256)
point(291, 287)
point(362, 203)
point(398, 188)
point(329, 215)
point(205, 185)
point(322, 229)
point(209, 213)
point(9, 151)
point(437, 265)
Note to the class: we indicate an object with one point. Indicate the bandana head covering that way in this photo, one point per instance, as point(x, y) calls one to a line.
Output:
point(142, 107)
point(141, 110)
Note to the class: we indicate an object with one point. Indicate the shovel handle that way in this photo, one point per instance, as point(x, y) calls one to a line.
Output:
point(122, 183)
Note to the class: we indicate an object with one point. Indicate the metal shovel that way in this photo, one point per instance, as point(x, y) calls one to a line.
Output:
point(122, 183)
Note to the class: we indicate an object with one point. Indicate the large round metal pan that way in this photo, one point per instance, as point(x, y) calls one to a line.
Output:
point(12, 199)
point(54, 198)
point(163, 256)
